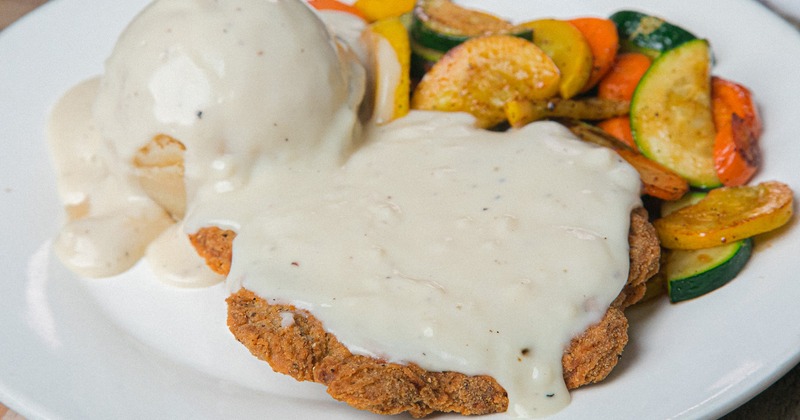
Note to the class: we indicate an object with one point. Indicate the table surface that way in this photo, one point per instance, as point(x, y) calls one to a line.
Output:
point(780, 401)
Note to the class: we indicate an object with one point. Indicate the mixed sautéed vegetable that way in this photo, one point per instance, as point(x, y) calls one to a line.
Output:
point(632, 82)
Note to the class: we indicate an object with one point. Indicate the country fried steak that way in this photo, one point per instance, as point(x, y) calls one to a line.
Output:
point(295, 343)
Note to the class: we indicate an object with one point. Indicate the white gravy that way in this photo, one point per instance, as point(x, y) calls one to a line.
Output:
point(423, 241)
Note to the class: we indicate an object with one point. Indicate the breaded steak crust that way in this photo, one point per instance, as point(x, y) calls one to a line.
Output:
point(295, 343)
point(305, 351)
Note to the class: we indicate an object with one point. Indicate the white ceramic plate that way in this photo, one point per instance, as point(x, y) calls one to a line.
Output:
point(129, 347)
point(789, 8)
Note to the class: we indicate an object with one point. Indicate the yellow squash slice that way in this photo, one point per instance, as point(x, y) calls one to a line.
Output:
point(482, 74)
point(376, 10)
point(568, 48)
point(726, 215)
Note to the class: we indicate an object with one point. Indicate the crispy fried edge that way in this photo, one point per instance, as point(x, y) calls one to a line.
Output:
point(304, 350)
point(215, 245)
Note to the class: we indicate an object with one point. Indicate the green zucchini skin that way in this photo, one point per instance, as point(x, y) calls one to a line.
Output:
point(430, 28)
point(671, 117)
point(647, 34)
point(712, 276)
point(706, 273)
point(422, 59)
point(430, 37)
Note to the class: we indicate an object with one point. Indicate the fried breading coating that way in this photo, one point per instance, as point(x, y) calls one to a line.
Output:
point(215, 246)
point(303, 349)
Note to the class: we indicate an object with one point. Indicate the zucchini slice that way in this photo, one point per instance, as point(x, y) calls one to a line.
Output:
point(441, 25)
point(422, 59)
point(693, 273)
point(650, 35)
point(671, 115)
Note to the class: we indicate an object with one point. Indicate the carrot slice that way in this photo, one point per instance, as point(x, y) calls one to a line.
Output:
point(619, 83)
point(336, 5)
point(657, 180)
point(737, 155)
point(603, 39)
point(619, 127)
point(624, 76)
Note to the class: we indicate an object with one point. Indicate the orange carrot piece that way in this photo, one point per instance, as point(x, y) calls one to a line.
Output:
point(336, 5)
point(657, 181)
point(737, 155)
point(740, 99)
point(621, 80)
point(603, 42)
point(619, 127)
